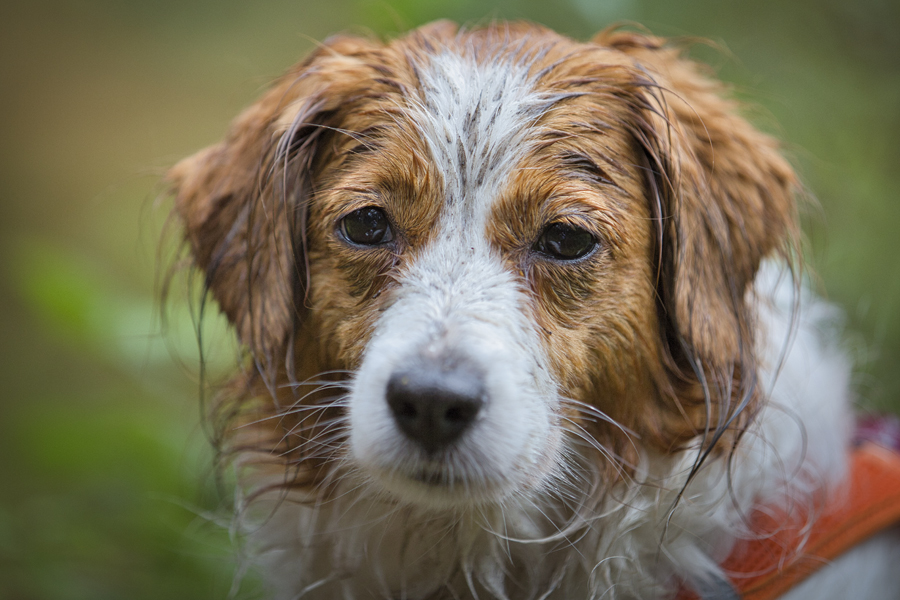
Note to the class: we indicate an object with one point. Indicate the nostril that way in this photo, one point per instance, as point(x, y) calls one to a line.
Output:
point(434, 404)
point(405, 409)
point(461, 414)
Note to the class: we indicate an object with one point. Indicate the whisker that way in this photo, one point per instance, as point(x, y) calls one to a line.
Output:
point(595, 412)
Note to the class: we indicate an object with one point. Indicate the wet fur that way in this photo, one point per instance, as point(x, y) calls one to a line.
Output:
point(636, 416)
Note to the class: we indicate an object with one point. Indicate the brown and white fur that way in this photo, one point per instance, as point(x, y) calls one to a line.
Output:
point(614, 411)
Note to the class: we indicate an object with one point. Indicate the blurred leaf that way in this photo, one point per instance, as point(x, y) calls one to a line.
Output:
point(80, 304)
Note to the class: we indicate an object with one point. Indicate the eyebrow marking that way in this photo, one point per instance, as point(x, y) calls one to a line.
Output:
point(584, 167)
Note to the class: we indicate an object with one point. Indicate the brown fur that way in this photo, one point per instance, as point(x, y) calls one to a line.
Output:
point(684, 194)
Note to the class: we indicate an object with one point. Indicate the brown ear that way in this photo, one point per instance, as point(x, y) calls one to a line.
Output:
point(243, 201)
point(724, 196)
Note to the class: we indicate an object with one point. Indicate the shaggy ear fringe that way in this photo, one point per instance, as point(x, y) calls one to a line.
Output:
point(723, 198)
point(244, 207)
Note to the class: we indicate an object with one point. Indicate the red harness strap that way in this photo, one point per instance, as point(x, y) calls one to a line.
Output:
point(766, 568)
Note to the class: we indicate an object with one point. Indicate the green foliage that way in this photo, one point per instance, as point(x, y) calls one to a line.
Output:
point(114, 494)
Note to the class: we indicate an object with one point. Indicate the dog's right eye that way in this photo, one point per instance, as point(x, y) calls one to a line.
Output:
point(367, 226)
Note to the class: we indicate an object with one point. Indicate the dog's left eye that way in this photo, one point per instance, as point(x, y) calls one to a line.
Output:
point(367, 226)
point(565, 242)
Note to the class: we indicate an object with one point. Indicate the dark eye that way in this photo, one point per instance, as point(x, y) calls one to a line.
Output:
point(565, 242)
point(367, 226)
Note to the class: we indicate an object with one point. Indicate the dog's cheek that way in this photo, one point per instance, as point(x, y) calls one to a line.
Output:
point(599, 327)
point(346, 292)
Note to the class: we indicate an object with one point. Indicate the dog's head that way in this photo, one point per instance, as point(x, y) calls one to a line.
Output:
point(459, 259)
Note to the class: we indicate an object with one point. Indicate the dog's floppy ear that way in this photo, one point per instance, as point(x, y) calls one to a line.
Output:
point(724, 197)
point(243, 201)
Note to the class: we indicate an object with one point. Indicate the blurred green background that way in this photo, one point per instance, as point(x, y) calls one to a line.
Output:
point(107, 487)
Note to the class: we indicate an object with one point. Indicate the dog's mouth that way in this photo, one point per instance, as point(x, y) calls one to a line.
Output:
point(438, 478)
point(442, 472)
point(439, 487)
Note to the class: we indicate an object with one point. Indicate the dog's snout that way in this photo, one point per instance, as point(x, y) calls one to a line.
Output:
point(433, 405)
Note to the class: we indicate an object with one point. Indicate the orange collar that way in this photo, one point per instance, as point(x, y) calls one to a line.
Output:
point(767, 567)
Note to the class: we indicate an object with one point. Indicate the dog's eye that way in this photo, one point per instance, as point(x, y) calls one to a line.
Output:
point(565, 242)
point(367, 226)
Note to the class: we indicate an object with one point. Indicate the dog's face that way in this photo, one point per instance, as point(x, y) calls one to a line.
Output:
point(502, 247)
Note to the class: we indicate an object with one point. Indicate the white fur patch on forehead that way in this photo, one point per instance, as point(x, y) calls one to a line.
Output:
point(475, 113)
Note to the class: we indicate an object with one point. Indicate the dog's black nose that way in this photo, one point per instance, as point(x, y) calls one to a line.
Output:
point(433, 404)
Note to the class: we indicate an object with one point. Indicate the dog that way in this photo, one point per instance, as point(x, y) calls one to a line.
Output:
point(522, 319)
